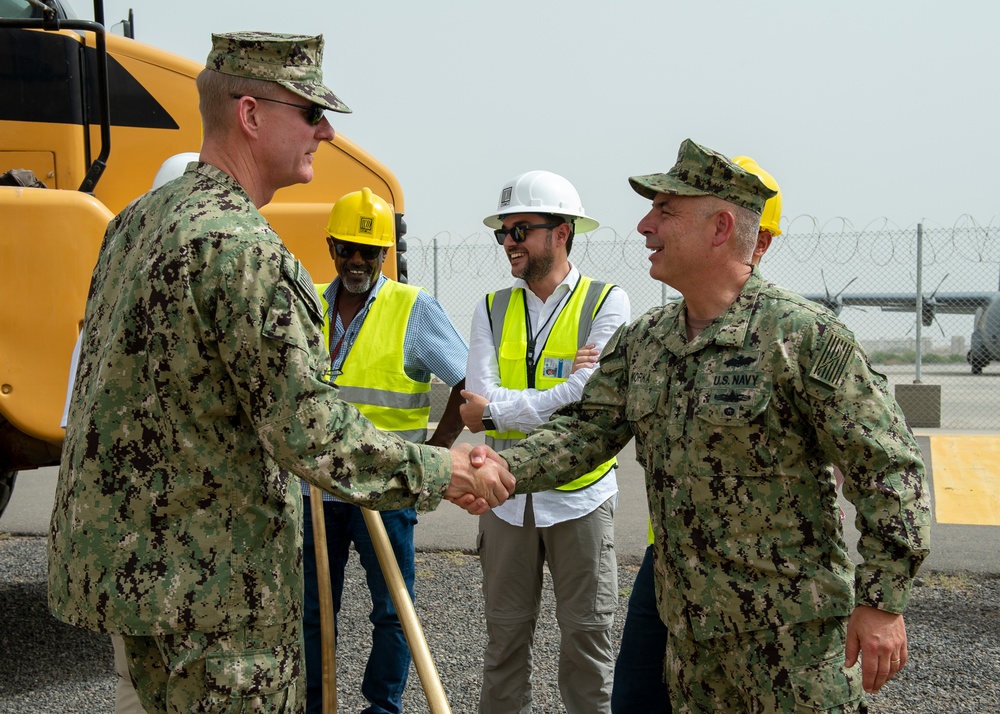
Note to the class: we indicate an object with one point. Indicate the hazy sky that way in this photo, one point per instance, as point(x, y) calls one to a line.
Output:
point(861, 110)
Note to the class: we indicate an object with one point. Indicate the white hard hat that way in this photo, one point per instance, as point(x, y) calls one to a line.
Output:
point(173, 167)
point(541, 192)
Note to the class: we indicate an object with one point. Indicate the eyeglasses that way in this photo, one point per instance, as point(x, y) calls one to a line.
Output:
point(519, 233)
point(346, 251)
point(314, 112)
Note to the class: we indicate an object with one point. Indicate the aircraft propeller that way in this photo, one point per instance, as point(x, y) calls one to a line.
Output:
point(833, 302)
point(928, 307)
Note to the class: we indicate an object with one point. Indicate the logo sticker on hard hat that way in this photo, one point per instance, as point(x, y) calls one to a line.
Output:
point(505, 196)
point(366, 224)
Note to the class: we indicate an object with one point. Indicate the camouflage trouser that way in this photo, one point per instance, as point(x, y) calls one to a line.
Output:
point(793, 668)
point(248, 670)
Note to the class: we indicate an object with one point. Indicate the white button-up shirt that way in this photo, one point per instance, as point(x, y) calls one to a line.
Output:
point(524, 409)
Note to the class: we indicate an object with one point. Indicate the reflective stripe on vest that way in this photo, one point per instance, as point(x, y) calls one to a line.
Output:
point(372, 377)
point(507, 311)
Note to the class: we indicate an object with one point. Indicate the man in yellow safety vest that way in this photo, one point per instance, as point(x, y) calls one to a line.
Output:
point(531, 350)
point(385, 340)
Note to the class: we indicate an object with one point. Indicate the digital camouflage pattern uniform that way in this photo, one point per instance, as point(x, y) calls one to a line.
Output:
point(199, 392)
point(738, 431)
point(293, 61)
point(199, 389)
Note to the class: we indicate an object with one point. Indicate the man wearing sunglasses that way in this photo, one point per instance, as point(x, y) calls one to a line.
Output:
point(532, 348)
point(200, 391)
point(385, 340)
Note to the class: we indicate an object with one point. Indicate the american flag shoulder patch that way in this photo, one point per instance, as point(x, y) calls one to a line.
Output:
point(834, 354)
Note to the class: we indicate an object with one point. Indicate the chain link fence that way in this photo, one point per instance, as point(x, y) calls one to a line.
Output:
point(941, 354)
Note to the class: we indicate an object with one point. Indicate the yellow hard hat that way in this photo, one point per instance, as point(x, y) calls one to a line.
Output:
point(362, 217)
point(770, 217)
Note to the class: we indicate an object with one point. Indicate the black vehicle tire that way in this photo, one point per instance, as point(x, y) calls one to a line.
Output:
point(976, 361)
point(7, 479)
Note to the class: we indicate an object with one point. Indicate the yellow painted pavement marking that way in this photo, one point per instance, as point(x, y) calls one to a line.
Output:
point(966, 475)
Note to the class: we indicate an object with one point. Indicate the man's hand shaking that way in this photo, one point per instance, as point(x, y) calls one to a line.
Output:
point(480, 479)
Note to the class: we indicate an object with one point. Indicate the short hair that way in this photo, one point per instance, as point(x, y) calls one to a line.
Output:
point(746, 230)
point(556, 218)
point(746, 225)
point(216, 90)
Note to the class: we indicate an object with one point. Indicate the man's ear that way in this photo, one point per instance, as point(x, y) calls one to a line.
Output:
point(561, 233)
point(249, 117)
point(724, 224)
point(763, 243)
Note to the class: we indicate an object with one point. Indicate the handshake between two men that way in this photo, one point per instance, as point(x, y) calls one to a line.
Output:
point(480, 479)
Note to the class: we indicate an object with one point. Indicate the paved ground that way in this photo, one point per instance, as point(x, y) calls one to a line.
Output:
point(953, 625)
point(952, 618)
point(965, 478)
point(967, 401)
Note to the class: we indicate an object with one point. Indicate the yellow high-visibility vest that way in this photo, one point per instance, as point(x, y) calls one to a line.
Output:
point(372, 377)
point(508, 316)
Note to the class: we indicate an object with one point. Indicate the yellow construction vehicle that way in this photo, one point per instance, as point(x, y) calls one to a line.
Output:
point(92, 116)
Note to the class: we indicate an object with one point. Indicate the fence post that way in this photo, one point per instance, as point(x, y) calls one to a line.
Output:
point(919, 306)
point(921, 403)
point(436, 267)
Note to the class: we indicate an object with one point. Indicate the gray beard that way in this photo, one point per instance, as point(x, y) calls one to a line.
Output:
point(360, 288)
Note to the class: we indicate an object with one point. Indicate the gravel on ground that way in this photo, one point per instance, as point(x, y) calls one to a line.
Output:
point(46, 667)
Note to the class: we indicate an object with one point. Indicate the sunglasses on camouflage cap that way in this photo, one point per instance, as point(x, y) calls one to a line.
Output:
point(313, 112)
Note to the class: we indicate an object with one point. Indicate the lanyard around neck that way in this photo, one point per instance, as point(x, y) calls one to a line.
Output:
point(533, 338)
point(334, 316)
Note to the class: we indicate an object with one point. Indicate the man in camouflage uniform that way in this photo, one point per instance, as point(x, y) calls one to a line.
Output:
point(638, 684)
point(176, 520)
point(739, 427)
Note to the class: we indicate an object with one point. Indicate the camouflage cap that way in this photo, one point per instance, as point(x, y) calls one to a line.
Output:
point(699, 171)
point(293, 61)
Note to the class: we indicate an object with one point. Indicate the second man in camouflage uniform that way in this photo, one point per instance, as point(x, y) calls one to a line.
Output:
point(742, 397)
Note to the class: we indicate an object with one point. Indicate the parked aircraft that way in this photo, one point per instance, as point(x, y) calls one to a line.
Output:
point(985, 342)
